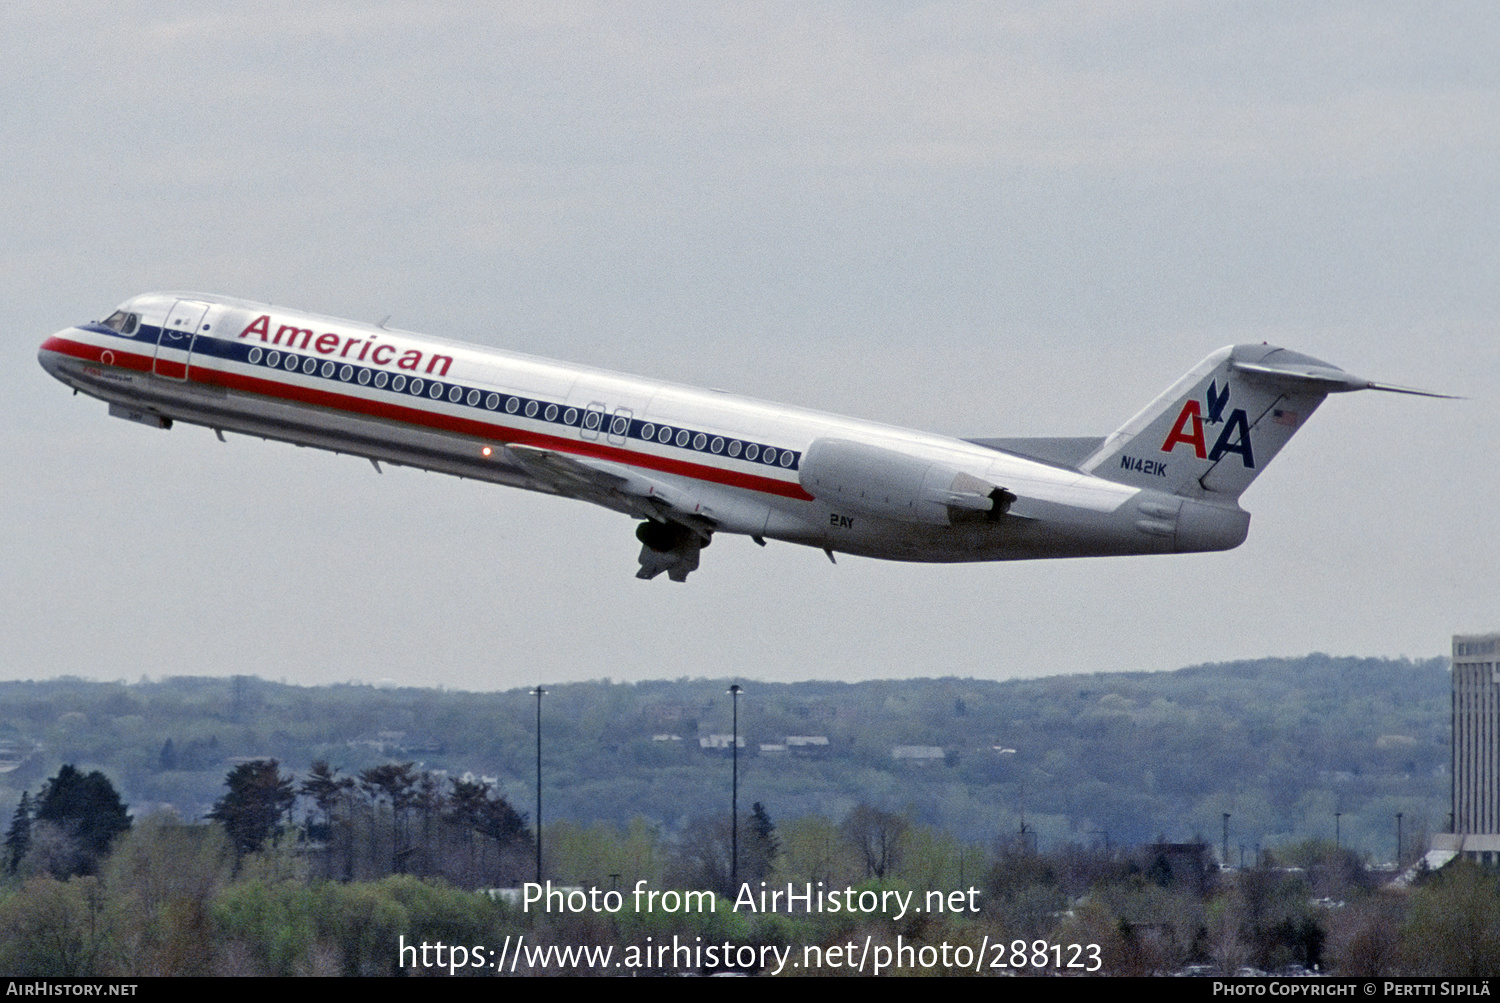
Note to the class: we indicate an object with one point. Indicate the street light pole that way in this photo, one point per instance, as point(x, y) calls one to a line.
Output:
point(1398, 839)
point(734, 796)
point(539, 691)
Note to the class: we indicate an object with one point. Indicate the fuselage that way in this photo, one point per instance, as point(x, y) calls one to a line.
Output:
point(734, 464)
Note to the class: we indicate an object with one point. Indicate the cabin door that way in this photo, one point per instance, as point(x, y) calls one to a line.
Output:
point(174, 345)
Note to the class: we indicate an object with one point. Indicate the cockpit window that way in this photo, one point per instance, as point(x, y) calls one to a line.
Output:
point(122, 322)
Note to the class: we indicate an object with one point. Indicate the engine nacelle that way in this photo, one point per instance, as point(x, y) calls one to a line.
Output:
point(873, 480)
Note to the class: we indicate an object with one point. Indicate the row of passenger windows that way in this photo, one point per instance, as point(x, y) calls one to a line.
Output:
point(592, 420)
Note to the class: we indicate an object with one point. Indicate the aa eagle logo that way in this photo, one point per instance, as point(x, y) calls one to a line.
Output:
point(1234, 437)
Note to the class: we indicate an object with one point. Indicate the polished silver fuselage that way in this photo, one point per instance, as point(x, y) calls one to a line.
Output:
point(673, 453)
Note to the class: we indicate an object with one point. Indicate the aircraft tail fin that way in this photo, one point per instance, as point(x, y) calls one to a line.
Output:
point(1215, 429)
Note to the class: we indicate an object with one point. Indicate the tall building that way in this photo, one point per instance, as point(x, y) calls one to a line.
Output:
point(1476, 752)
point(1476, 733)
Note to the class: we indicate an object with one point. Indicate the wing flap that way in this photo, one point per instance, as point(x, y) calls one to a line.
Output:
point(612, 485)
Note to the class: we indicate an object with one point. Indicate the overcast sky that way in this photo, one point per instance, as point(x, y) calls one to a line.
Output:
point(979, 219)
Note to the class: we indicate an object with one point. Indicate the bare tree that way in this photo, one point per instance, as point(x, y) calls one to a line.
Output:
point(876, 834)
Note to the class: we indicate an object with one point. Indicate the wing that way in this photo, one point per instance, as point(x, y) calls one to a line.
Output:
point(676, 528)
point(612, 485)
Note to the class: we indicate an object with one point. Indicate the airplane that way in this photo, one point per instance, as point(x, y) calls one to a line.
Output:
point(693, 463)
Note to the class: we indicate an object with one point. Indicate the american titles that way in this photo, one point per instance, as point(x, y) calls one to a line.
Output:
point(340, 346)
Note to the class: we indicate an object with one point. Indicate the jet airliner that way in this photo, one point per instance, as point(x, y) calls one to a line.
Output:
point(692, 463)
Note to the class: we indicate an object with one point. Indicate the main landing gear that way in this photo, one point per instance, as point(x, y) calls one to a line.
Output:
point(670, 547)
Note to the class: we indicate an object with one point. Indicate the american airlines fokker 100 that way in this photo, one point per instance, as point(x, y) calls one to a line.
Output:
point(691, 463)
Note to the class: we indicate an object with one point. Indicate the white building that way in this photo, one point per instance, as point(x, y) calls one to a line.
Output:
point(1476, 752)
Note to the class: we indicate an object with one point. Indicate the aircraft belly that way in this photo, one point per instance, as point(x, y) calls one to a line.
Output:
point(1031, 531)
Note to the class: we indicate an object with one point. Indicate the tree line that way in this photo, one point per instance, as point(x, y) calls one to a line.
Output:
point(323, 873)
point(389, 819)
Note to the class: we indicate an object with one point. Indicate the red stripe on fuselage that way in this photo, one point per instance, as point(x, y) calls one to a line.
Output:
point(95, 353)
point(434, 420)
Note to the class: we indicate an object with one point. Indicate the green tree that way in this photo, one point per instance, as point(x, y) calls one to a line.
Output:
point(162, 878)
point(18, 836)
point(488, 816)
point(86, 814)
point(53, 928)
point(252, 810)
point(397, 784)
point(605, 854)
point(812, 849)
point(327, 790)
point(763, 846)
point(1454, 924)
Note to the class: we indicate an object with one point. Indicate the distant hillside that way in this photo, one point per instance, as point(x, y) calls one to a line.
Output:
point(1281, 744)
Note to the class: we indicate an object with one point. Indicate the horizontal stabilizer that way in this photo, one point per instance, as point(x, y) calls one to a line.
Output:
point(1325, 379)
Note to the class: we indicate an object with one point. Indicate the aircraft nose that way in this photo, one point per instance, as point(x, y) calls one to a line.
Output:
point(50, 354)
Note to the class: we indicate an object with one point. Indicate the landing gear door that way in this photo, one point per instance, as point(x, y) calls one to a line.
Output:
point(174, 345)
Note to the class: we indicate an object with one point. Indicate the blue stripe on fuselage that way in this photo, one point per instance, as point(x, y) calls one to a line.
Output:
point(751, 454)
